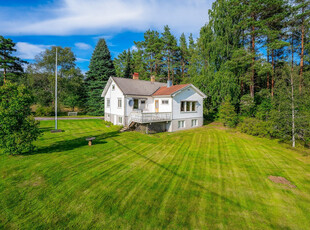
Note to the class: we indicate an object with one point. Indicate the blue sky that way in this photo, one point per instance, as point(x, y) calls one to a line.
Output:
point(38, 24)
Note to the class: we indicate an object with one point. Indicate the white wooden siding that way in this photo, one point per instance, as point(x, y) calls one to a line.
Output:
point(188, 94)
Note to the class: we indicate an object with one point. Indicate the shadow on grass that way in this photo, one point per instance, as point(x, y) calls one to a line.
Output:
point(46, 130)
point(194, 183)
point(66, 145)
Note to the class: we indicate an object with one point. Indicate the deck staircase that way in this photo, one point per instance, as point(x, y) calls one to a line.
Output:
point(128, 127)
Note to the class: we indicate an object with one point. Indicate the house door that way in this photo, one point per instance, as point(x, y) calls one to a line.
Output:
point(156, 106)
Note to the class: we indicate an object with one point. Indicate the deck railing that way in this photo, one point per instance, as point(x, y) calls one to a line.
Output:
point(140, 117)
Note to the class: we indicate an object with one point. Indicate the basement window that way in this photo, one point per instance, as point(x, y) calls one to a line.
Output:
point(181, 124)
point(194, 122)
point(120, 120)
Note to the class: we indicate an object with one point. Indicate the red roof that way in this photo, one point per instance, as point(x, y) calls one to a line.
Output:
point(168, 91)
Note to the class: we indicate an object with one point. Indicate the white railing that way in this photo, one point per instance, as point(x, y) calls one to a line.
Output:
point(140, 117)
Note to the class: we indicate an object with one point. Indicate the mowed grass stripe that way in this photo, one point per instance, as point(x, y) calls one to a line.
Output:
point(202, 178)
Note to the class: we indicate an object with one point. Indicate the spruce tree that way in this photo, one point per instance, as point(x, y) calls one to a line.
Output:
point(100, 69)
point(12, 66)
point(184, 55)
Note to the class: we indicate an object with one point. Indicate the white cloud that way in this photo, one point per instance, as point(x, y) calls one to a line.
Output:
point(82, 59)
point(82, 46)
point(29, 51)
point(133, 48)
point(68, 17)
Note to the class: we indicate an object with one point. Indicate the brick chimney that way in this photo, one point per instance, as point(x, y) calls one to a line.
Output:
point(152, 78)
point(135, 76)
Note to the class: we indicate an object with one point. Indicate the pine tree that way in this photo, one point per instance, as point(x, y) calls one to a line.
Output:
point(302, 15)
point(184, 55)
point(170, 49)
point(12, 66)
point(128, 71)
point(100, 69)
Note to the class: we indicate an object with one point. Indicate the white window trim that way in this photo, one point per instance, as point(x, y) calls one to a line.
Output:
point(162, 102)
point(119, 99)
point(196, 122)
point(181, 122)
point(113, 87)
point(108, 104)
point(185, 107)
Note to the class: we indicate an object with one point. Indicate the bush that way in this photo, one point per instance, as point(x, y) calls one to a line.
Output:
point(43, 111)
point(228, 114)
point(18, 129)
point(247, 106)
point(256, 127)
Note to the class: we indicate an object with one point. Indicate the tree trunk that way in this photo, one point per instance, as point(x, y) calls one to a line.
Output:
point(253, 60)
point(168, 68)
point(292, 47)
point(302, 51)
point(183, 66)
point(293, 110)
point(268, 72)
point(4, 75)
point(273, 72)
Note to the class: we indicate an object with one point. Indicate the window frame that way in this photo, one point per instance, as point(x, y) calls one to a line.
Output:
point(113, 87)
point(108, 102)
point(194, 124)
point(188, 106)
point(181, 124)
point(119, 103)
point(165, 102)
point(120, 120)
point(134, 101)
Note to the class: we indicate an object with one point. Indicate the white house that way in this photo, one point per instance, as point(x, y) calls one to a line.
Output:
point(153, 105)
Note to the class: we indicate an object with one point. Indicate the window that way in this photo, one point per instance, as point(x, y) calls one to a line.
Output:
point(181, 124)
point(120, 120)
point(119, 103)
point(188, 106)
point(182, 106)
point(135, 104)
point(113, 87)
point(108, 102)
point(194, 122)
point(165, 102)
point(193, 106)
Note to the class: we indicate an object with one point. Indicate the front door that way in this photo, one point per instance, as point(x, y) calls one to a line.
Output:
point(156, 106)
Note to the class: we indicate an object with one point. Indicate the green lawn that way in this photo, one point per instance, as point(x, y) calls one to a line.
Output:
point(207, 177)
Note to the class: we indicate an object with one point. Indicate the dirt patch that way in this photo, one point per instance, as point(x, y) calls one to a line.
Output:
point(33, 182)
point(281, 180)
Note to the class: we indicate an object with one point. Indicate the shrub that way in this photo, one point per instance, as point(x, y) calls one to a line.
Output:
point(256, 127)
point(228, 114)
point(43, 111)
point(247, 105)
point(18, 129)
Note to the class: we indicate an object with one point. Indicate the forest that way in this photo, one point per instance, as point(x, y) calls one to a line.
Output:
point(251, 59)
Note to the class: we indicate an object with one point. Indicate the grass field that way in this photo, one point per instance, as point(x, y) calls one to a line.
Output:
point(207, 177)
